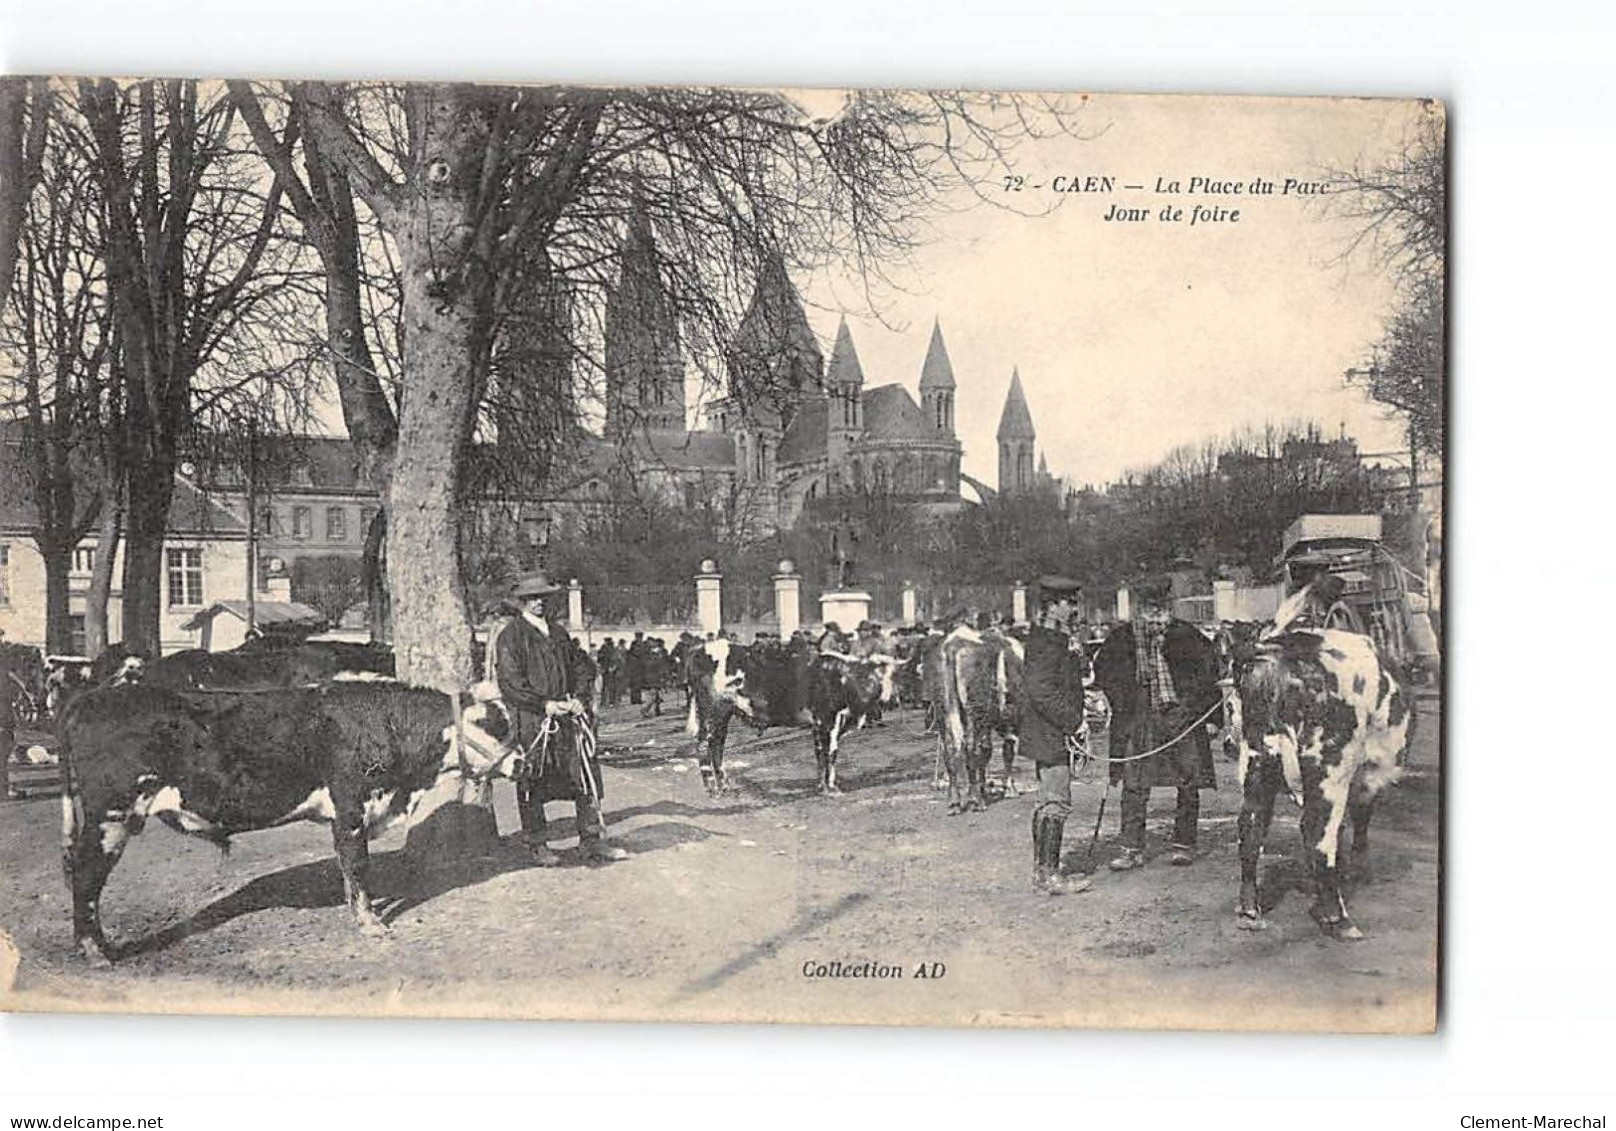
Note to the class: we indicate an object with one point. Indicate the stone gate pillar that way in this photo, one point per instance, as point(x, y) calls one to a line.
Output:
point(575, 606)
point(1124, 609)
point(710, 597)
point(1018, 603)
point(788, 598)
point(909, 602)
point(1223, 600)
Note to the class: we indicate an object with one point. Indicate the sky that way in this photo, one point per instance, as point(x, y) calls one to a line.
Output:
point(1134, 337)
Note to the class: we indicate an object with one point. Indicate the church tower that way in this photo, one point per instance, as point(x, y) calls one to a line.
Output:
point(1017, 438)
point(645, 373)
point(844, 389)
point(937, 383)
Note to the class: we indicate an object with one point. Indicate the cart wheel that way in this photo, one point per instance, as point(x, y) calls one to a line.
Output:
point(1344, 617)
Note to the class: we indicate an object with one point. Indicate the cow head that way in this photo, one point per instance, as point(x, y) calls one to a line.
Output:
point(886, 671)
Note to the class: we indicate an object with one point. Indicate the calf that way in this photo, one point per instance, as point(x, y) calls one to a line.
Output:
point(845, 691)
point(358, 755)
point(1322, 717)
point(981, 695)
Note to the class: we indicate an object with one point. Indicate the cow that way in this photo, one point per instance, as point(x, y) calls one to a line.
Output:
point(766, 683)
point(845, 691)
point(981, 692)
point(358, 755)
point(1323, 717)
point(298, 665)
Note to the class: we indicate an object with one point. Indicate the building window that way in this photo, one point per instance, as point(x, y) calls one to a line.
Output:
point(75, 633)
point(84, 559)
point(266, 522)
point(5, 574)
point(367, 515)
point(336, 524)
point(185, 577)
point(302, 522)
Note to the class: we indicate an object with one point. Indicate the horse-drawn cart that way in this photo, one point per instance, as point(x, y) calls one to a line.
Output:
point(1380, 597)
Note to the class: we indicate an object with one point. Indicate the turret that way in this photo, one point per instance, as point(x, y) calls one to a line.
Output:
point(844, 388)
point(1017, 440)
point(645, 375)
point(937, 383)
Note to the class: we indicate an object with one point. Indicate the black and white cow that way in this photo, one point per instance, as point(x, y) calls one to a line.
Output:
point(774, 684)
point(358, 755)
point(845, 692)
point(1324, 719)
point(765, 683)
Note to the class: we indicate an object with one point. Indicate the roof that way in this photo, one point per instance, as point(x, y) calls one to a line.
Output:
point(1015, 423)
point(774, 348)
point(265, 614)
point(937, 372)
point(844, 368)
point(191, 512)
point(805, 439)
point(891, 414)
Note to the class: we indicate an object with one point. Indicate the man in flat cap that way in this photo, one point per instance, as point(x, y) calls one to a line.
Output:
point(530, 659)
point(1052, 710)
point(1159, 674)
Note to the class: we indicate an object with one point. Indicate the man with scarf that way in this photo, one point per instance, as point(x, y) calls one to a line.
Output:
point(1052, 687)
point(1160, 675)
point(530, 661)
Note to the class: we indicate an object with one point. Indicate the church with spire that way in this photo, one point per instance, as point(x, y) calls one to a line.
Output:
point(791, 428)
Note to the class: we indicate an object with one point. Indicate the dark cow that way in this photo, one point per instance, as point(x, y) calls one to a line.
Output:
point(845, 692)
point(766, 683)
point(299, 665)
point(781, 684)
point(356, 754)
point(1323, 718)
point(981, 693)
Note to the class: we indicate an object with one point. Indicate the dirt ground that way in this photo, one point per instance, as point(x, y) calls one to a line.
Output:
point(725, 903)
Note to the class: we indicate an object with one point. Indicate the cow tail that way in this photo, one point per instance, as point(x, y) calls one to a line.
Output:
point(1001, 682)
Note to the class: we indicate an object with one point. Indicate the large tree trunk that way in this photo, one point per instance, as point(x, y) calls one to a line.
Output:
point(96, 633)
point(58, 556)
point(143, 579)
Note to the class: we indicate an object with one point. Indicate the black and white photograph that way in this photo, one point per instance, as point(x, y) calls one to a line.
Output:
point(722, 554)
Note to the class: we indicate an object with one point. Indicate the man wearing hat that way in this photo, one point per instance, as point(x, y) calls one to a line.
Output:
point(1052, 710)
point(1159, 674)
point(530, 660)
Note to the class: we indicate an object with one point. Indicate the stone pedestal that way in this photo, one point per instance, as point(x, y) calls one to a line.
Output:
point(788, 599)
point(1018, 603)
point(1223, 603)
point(847, 607)
point(909, 602)
point(709, 598)
point(575, 606)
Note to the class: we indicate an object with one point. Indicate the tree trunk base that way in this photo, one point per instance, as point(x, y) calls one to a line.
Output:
point(453, 823)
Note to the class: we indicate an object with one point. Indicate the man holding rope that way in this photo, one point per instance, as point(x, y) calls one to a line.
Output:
point(529, 661)
point(1160, 675)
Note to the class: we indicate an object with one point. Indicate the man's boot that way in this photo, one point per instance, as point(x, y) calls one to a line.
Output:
point(1133, 831)
point(1047, 833)
point(592, 835)
point(1185, 822)
point(535, 829)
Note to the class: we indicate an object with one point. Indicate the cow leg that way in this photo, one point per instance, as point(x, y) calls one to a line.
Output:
point(978, 754)
point(1324, 803)
point(954, 738)
point(88, 856)
point(1261, 784)
point(939, 776)
point(1360, 808)
point(1008, 745)
point(353, 857)
point(712, 769)
point(827, 759)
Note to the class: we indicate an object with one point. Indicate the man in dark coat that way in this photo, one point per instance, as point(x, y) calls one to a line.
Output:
point(609, 667)
point(634, 669)
point(531, 658)
point(1052, 709)
point(1159, 674)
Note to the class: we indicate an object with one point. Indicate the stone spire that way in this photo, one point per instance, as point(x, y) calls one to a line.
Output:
point(937, 383)
point(1015, 422)
point(774, 357)
point(844, 370)
point(1017, 439)
point(645, 382)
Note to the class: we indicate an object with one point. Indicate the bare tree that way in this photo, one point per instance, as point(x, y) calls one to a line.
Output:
point(1399, 209)
point(473, 184)
point(24, 111)
point(188, 223)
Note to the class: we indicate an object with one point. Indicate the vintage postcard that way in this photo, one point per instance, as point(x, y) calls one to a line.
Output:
point(706, 554)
